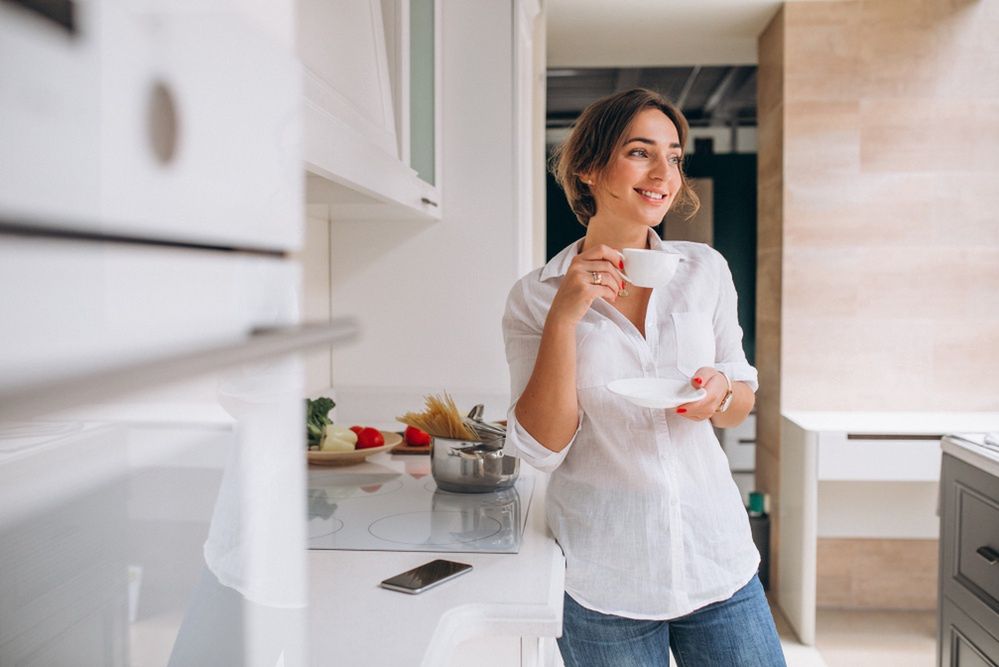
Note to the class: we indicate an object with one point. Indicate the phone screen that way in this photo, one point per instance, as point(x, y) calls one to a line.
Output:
point(423, 577)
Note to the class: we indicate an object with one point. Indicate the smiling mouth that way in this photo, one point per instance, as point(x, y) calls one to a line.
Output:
point(652, 195)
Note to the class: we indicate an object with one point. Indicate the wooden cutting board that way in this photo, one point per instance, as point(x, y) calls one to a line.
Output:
point(406, 448)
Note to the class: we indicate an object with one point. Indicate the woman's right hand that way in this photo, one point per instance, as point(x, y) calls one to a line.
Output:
point(579, 287)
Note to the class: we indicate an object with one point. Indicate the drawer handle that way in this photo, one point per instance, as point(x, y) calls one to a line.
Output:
point(989, 554)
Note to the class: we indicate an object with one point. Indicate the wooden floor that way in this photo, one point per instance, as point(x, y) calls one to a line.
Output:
point(881, 638)
point(847, 638)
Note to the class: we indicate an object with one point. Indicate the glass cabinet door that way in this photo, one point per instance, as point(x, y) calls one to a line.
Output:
point(422, 87)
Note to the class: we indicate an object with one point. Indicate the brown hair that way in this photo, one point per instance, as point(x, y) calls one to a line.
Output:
point(597, 133)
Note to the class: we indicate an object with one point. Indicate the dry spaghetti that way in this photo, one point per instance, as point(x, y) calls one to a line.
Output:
point(441, 419)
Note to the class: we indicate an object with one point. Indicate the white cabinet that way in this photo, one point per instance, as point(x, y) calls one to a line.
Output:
point(152, 121)
point(371, 108)
point(74, 307)
point(821, 452)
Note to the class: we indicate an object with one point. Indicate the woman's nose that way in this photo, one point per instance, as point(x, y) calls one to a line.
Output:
point(659, 169)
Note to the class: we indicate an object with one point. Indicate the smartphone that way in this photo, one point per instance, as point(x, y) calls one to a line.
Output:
point(426, 576)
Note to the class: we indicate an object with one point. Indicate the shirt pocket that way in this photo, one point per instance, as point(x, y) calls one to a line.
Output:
point(695, 341)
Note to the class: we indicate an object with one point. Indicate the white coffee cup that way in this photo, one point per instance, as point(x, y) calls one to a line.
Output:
point(650, 268)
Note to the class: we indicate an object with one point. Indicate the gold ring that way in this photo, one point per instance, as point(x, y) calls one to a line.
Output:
point(597, 278)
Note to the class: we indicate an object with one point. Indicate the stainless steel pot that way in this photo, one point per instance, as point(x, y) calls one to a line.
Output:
point(492, 520)
point(472, 467)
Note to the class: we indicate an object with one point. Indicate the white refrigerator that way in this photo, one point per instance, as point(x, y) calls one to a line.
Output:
point(152, 501)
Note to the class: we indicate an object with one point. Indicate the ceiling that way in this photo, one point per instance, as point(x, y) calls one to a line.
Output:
point(699, 53)
point(654, 33)
point(709, 96)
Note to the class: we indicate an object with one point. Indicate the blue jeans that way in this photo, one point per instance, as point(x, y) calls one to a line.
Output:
point(737, 632)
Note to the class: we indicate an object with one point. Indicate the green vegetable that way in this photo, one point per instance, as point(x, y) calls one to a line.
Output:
point(316, 418)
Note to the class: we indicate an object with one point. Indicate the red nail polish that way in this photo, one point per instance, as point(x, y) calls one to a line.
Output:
point(698, 380)
point(620, 264)
point(622, 284)
point(681, 410)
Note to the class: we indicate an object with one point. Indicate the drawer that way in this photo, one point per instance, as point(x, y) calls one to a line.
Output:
point(884, 457)
point(978, 544)
point(962, 641)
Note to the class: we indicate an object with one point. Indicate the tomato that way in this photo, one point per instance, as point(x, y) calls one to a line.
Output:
point(370, 437)
point(357, 429)
point(416, 437)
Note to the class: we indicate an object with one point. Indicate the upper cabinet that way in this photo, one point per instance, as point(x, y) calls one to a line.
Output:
point(153, 121)
point(372, 114)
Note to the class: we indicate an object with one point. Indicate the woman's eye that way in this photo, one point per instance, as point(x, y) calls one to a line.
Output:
point(640, 152)
point(675, 159)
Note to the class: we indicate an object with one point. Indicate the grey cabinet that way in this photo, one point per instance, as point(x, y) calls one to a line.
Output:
point(969, 566)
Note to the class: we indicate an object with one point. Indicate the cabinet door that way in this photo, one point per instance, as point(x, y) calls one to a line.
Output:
point(200, 128)
point(963, 642)
point(424, 88)
point(152, 120)
point(968, 540)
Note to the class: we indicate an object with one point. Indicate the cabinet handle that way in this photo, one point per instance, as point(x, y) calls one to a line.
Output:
point(989, 554)
point(430, 202)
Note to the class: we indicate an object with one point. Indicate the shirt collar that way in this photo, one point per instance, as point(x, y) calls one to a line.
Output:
point(559, 264)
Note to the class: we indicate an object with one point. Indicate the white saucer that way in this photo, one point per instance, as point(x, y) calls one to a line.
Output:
point(656, 392)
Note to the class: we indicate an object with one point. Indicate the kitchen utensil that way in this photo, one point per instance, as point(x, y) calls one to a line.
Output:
point(464, 466)
point(318, 457)
point(656, 392)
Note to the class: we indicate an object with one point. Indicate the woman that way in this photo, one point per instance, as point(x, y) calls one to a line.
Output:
point(658, 547)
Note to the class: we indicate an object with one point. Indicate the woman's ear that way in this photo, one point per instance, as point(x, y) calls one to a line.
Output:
point(586, 178)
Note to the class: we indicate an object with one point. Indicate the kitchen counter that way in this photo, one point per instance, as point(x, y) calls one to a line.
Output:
point(352, 621)
point(893, 422)
point(962, 446)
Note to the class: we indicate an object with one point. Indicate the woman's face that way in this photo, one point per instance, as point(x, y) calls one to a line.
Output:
point(643, 176)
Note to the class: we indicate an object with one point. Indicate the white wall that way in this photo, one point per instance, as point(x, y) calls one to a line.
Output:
point(430, 296)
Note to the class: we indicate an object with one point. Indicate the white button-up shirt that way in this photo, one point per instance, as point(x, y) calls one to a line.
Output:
point(641, 500)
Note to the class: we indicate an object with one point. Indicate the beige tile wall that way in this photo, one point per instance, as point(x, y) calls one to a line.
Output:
point(770, 211)
point(878, 279)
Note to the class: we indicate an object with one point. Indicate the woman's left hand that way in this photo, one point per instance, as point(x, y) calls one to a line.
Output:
point(714, 384)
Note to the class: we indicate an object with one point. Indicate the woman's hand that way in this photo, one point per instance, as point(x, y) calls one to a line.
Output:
point(593, 273)
point(711, 380)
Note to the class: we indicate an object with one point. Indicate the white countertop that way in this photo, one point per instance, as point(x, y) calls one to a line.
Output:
point(983, 458)
point(895, 422)
point(352, 621)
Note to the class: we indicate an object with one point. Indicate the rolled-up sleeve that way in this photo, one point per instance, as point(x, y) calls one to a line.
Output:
point(730, 358)
point(522, 337)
